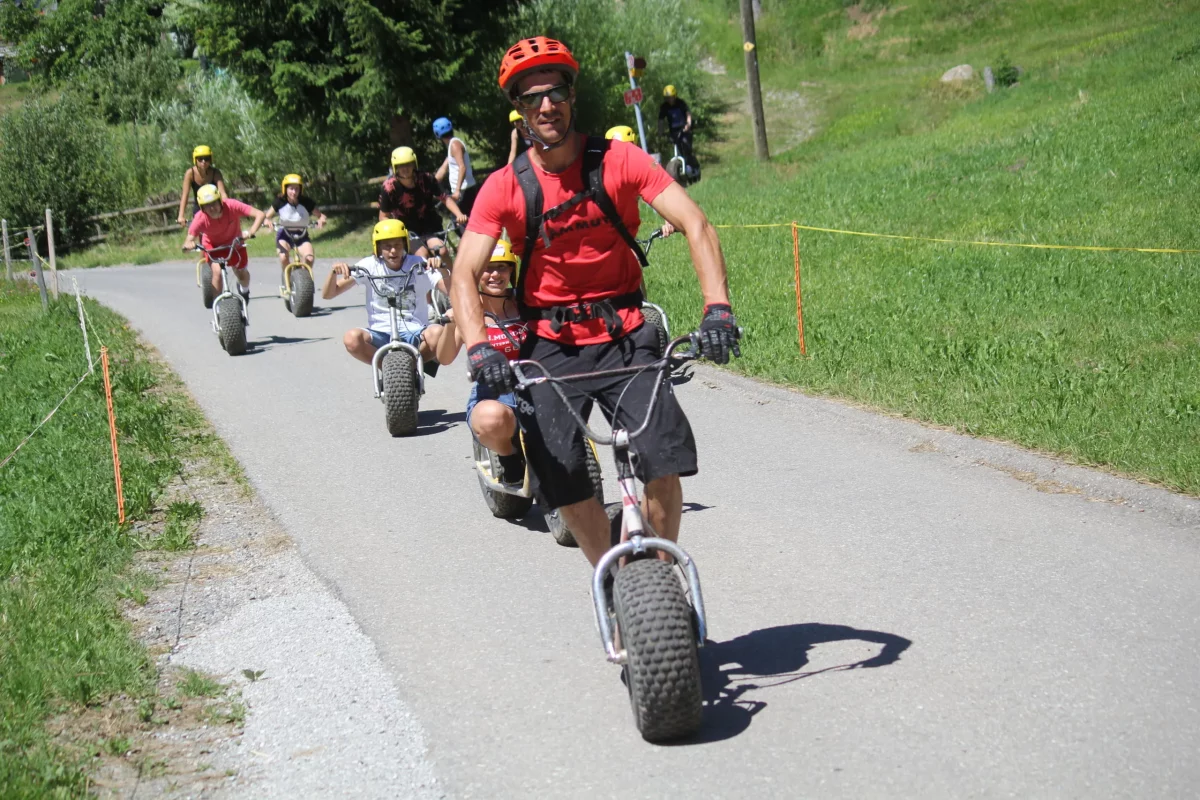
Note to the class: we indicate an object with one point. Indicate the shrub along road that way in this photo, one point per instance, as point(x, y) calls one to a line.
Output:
point(894, 609)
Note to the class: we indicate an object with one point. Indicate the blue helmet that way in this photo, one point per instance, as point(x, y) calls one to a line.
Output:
point(442, 126)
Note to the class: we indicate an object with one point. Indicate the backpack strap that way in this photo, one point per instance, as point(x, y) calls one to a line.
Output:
point(593, 180)
point(532, 191)
point(592, 167)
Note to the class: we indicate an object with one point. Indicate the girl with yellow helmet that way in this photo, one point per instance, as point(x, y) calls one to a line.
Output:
point(201, 173)
point(492, 417)
point(294, 209)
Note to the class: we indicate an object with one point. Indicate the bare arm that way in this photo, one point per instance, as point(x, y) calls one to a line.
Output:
point(512, 148)
point(681, 211)
point(457, 153)
point(221, 185)
point(183, 195)
point(442, 170)
point(454, 209)
point(474, 251)
point(259, 217)
point(450, 343)
point(337, 281)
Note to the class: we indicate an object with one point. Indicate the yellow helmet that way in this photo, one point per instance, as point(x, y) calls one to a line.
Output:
point(291, 179)
point(502, 253)
point(199, 151)
point(207, 194)
point(668, 91)
point(514, 116)
point(622, 132)
point(388, 229)
point(403, 155)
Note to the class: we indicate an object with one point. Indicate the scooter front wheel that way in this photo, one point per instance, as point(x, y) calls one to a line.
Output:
point(662, 666)
point(301, 301)
point(231, 328)
point(401, 392)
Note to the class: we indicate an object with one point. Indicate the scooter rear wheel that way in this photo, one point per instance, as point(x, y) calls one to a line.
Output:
point(554, 520)
point(207, 292)
point(662, 668)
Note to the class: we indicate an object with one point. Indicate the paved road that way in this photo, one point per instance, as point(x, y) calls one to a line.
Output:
point(895, 611)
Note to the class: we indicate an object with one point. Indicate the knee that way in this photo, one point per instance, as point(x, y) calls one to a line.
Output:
point(493, 420)
point(353, 340)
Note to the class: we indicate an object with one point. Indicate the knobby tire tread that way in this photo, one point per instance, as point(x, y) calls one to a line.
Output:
point(401, 394)
point(655, 320)
point(663, 670)
point(302, 292)
point(231, 328)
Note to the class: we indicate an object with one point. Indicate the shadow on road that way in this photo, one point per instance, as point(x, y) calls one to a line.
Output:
point(436, 420)
point(325, 311)
point(272, 342)
point(770, 657)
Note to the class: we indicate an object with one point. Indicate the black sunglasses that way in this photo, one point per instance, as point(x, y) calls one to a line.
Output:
point(204, 158)
point(557, 94)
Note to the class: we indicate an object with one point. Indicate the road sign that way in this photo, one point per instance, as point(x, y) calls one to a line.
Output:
point(633, 96)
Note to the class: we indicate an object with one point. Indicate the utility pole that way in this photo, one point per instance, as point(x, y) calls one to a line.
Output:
point(752, 85)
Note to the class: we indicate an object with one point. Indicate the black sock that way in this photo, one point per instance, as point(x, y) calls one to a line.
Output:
point(512, 465)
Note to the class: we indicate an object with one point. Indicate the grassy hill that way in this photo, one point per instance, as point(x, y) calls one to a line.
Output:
point(1090, 355)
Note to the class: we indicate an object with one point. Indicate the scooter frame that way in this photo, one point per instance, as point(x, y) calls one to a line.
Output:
point(634, 542)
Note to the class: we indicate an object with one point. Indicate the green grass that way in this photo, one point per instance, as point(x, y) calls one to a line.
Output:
point(63, 557)
point(345, 236)
point(1095, 356)
point(197, 684)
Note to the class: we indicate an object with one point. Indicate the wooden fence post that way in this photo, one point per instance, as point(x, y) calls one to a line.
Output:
point(37, 267)
point(7, 262)
point(50, 253)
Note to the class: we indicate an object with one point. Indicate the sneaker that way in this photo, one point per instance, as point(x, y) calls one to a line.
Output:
point(244, 291)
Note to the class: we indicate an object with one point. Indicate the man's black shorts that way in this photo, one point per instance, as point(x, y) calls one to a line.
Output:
point(553, 443)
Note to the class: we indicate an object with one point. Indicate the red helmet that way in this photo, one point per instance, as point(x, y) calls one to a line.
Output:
point(537, 53)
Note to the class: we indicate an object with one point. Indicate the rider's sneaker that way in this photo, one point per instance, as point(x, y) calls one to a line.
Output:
point(244, 291)
point(512, 469)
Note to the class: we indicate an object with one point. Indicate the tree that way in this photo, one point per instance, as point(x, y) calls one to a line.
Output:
point(57, 43)
point(49, 152)
point(357, 69)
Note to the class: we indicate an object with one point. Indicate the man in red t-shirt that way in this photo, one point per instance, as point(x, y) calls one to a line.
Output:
point(580, 285)
point(218, 224)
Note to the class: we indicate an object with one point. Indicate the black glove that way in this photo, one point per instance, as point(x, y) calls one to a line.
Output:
point(719, 333)
point(491, 368)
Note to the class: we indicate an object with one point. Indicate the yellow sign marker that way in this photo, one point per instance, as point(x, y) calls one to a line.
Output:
point(748, 46)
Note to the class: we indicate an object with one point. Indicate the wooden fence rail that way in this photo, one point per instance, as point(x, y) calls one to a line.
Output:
point(355, 190)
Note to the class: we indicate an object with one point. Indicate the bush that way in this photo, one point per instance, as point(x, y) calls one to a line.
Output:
point(249, 145)
point(599, 32)
point(53, 155)
point(1007, 73)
